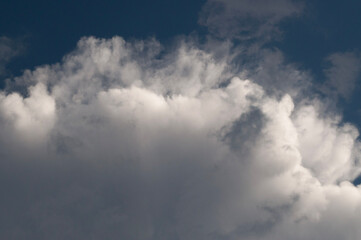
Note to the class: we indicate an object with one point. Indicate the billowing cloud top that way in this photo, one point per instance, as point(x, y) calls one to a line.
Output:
point(127, 140)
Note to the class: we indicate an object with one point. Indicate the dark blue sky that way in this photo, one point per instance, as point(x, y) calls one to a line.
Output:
point(325, 27)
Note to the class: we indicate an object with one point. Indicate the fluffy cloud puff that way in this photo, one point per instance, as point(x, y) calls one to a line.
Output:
point(124, 140)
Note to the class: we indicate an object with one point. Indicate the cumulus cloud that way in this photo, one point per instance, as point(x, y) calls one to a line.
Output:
point(247, 19)
point(128, 140)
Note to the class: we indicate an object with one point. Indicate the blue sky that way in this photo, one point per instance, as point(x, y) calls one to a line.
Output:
point(184, 120)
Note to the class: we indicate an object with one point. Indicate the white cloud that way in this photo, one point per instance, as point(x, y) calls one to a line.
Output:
point(119, 141)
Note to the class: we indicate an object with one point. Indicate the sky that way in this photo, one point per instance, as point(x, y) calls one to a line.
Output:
point(185, 120)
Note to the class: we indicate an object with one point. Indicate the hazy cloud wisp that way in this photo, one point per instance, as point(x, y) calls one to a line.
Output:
point(247, 19)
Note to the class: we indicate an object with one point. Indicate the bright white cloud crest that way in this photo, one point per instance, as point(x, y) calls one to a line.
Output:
point(123, 140)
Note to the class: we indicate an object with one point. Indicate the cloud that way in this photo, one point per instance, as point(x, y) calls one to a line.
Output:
point(342, 73)
point(130, 140)
point(247, 19)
